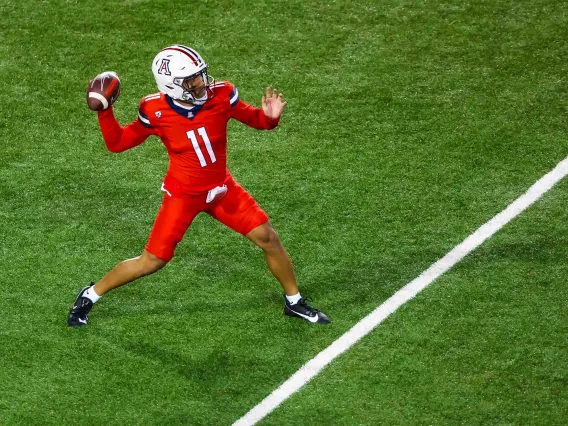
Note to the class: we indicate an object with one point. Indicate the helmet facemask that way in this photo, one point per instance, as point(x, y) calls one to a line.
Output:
point(192, 89)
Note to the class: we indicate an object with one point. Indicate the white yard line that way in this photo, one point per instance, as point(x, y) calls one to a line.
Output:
point(367, 324)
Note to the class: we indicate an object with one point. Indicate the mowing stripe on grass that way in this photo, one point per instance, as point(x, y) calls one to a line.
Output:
point(367, 324)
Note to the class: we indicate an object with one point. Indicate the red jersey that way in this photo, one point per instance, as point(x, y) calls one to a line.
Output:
point(195, 137)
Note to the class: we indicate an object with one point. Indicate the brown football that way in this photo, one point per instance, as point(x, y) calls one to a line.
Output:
point(103, 91)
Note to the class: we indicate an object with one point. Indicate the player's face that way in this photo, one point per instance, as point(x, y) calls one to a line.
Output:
point(196, 85)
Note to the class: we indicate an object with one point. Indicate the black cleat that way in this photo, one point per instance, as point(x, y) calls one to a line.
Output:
point(305, 311)
point(81, 307)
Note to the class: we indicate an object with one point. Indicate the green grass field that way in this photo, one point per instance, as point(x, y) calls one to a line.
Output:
point(409, 124)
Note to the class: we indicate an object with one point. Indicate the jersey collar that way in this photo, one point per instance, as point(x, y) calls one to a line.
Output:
point(187, 112)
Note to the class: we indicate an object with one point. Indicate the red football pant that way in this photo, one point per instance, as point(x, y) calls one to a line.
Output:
point(237, 210)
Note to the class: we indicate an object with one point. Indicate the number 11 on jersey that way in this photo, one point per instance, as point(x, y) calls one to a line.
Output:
point(193, 138)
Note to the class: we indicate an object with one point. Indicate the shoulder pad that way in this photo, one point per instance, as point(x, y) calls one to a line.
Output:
point(145, 107)
point(230, 91)
point(151, 97)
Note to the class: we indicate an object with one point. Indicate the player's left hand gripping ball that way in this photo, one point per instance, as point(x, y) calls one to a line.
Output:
point(103, 91)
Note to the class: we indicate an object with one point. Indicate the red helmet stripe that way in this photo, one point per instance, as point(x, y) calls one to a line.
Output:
point(190, 50)
point(193, 58)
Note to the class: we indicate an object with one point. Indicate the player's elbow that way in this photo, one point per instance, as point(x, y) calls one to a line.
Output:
point(114, 148)
point(117, 145)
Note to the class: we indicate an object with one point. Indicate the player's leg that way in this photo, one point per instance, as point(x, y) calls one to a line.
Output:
point(276, 256)
point(129, 270)
point(240, 212)
point(278, 261)
point(123, 273)
point(172, 221)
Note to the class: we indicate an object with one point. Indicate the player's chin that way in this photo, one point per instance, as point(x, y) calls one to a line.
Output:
point(200, 94)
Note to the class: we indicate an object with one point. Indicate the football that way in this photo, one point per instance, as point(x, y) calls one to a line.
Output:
point(103, 91)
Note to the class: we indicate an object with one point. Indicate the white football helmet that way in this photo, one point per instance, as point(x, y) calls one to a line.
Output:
point(173, 65)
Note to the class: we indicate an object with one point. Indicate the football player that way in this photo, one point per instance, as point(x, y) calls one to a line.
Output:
point(190, 114)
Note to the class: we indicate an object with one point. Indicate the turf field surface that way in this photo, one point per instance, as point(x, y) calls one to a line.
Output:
point(409, 124)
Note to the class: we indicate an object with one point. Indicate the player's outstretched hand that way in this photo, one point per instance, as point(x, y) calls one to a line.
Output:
point(272, 104)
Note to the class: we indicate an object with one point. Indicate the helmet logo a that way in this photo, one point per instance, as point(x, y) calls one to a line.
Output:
point(165, 67)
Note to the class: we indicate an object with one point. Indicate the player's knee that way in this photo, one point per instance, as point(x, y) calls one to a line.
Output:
point(265, 237)
point(150, 263)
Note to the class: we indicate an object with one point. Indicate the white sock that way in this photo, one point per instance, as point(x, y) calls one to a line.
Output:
point(92, 294)
point(294, 298)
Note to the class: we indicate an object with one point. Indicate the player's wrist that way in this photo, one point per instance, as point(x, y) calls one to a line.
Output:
point(273, 120)
point(106, 112)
